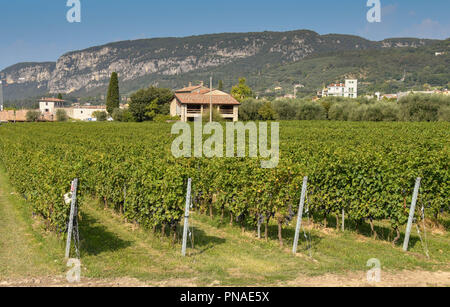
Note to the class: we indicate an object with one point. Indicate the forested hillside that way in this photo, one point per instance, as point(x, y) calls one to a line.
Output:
point(265, 58)
point(385, 70)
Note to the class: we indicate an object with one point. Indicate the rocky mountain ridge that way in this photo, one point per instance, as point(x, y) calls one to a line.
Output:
point(87, 71)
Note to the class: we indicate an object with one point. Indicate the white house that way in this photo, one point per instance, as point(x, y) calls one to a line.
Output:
point(348, 89)
point(85, 113)
point(49, 105)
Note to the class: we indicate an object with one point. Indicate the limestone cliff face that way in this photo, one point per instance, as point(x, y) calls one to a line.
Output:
point(90, 69)
point(38, 73)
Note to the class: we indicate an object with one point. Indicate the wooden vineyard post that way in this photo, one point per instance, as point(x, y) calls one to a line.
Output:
point(186, 218)
point(300, 215)
point(411, 214)
point(74, 189)
point(343, 220)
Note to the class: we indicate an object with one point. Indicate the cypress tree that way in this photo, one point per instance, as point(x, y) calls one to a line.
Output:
point(220, 88)
point(113, 96)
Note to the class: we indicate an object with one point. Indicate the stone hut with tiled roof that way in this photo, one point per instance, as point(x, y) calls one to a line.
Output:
point(194, 101)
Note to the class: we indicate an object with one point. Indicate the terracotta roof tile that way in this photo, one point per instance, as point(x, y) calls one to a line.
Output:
point(190, 89)
point(51, 100)
point(205, 99)
point(204, 91)
point(90, 107)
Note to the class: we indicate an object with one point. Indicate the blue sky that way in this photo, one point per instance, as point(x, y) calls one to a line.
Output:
point(37, 30)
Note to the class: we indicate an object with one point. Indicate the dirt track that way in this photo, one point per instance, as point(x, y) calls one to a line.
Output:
point(398, 279)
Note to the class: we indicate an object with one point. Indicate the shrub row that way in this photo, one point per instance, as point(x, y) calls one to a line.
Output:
point(415, 107)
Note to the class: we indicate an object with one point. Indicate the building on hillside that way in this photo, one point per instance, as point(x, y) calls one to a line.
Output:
point(348, 89)
point(193, 102)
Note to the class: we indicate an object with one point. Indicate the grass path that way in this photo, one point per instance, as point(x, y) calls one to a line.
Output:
point(225, 256)
point(23, 250)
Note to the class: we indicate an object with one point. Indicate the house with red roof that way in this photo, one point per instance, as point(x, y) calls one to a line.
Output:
point(193, 102)
point(348, 89)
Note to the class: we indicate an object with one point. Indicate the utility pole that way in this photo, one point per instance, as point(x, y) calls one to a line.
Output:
point(210, 99)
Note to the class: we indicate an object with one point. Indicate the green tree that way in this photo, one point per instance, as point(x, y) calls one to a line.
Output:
point(220, 86)
point(152, 109)
point(267, 112)
point(61, 115)
point(145, 104)
point(326, 104)
point(241, 91)
point(286, 109)
point(33, 116)
point(310, 111)
point(249, 109)
point(113, 96)
point(101, 116)
point(60, 96)
point(122, 115)
point(419, 107)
